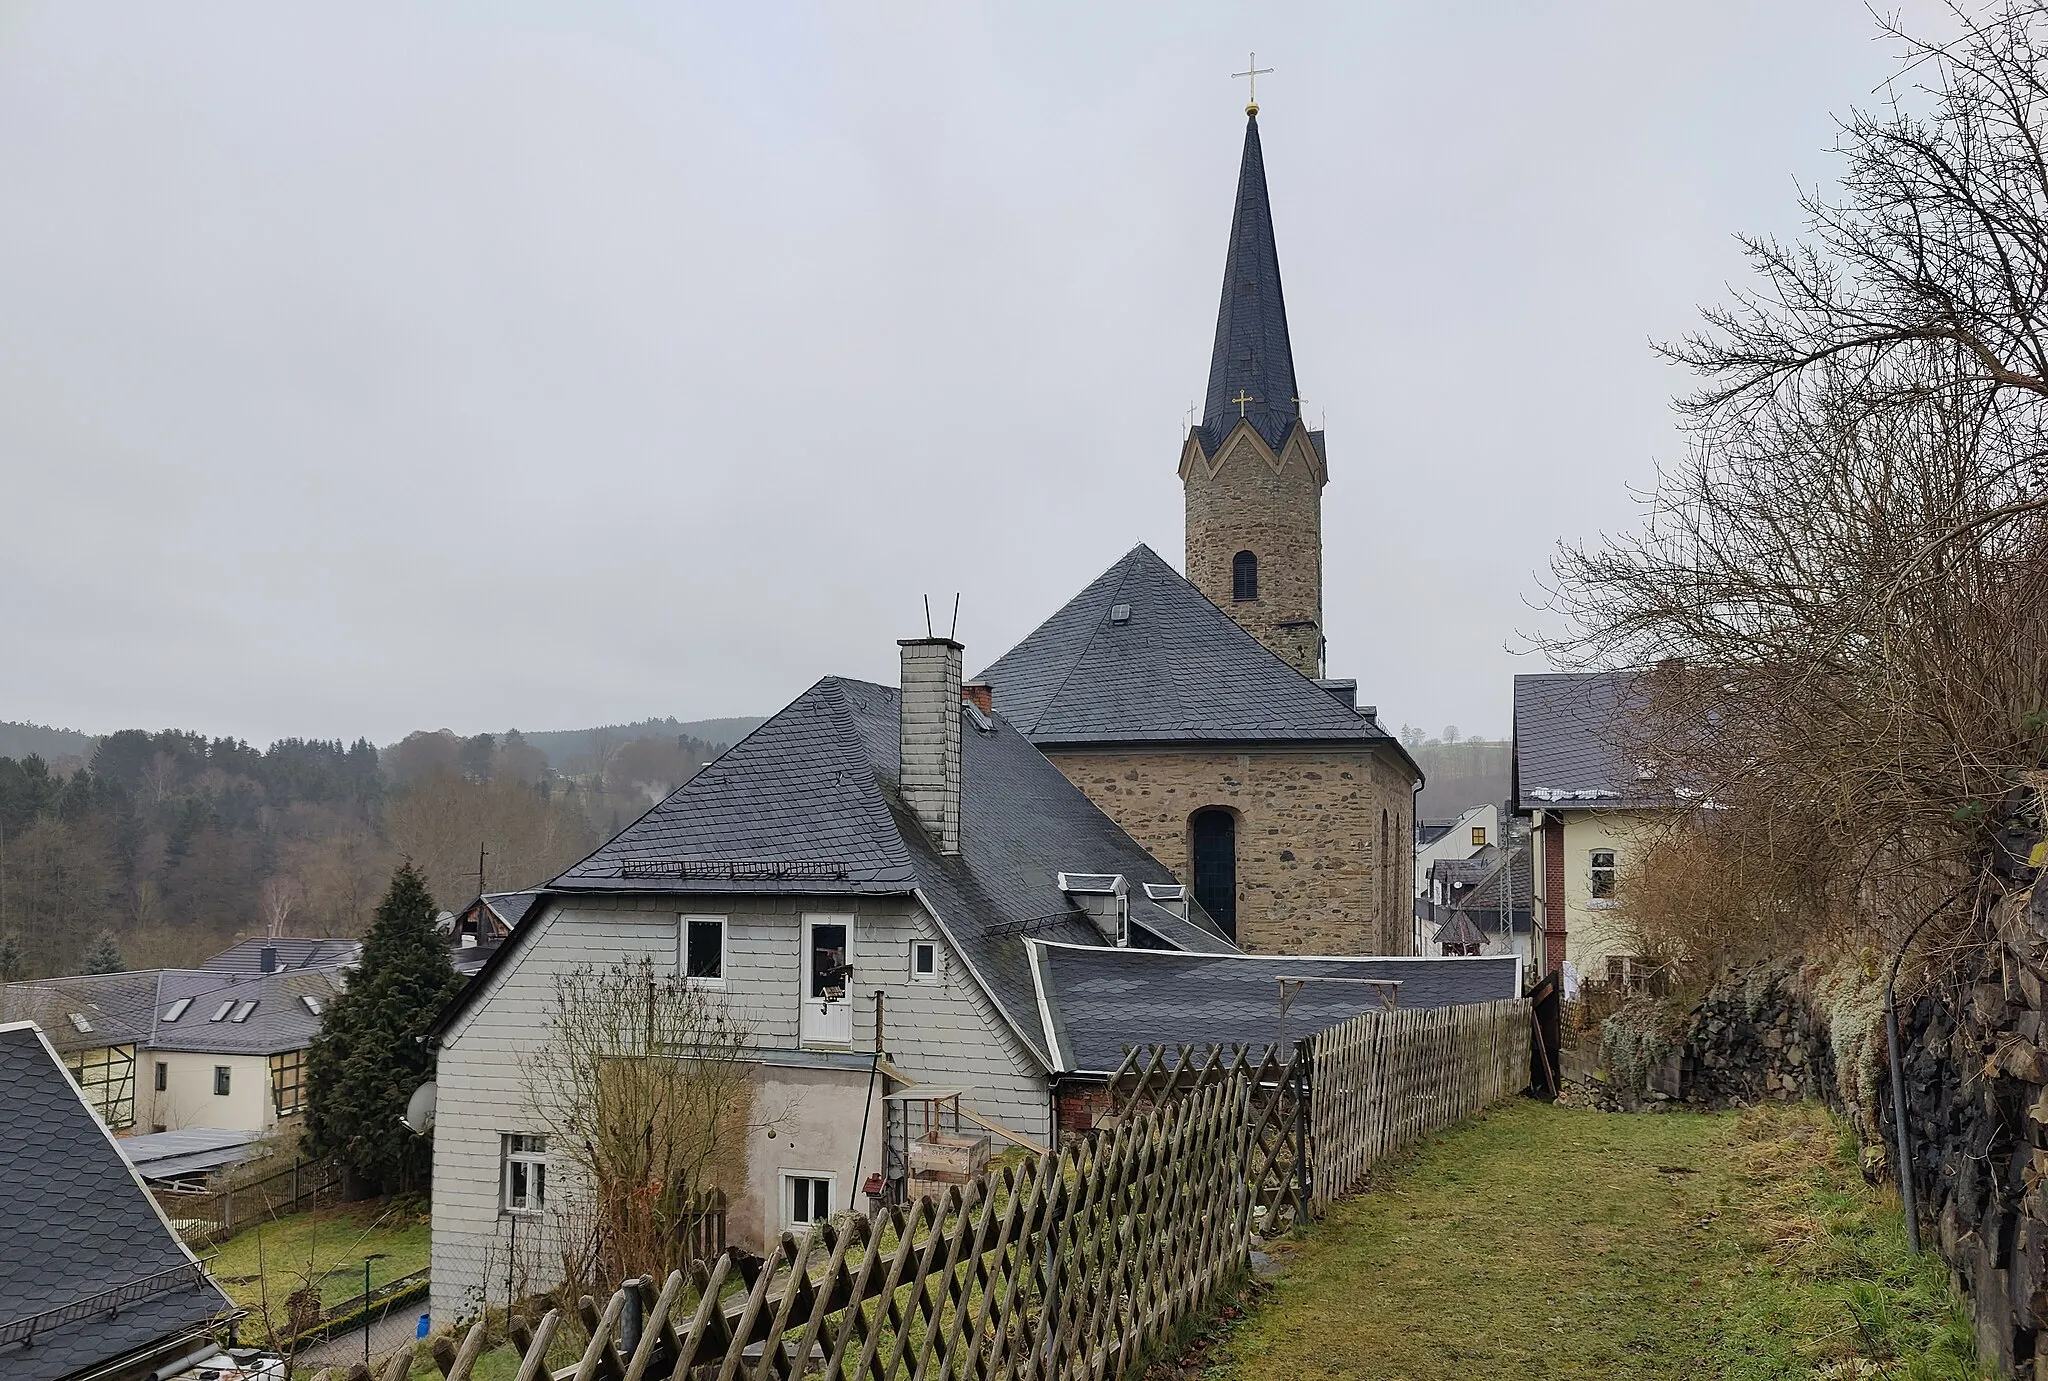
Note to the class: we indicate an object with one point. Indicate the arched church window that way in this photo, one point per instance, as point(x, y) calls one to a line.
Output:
point(1244, 576)
point(1215, 850)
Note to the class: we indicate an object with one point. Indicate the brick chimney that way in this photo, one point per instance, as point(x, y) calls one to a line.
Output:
point(928, 770)
point(981, 694)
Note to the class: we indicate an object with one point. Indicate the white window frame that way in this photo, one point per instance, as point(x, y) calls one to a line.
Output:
point(683, 925)
point(1593, 871)
point(788, 1220)
point(938, 969)
point(510, 1154)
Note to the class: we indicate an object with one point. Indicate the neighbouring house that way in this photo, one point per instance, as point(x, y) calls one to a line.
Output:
point(93, 1281)
point(1590, 802)
point(1462, 837)
point(475, 932)
point(186, 1161)
point(1482, 905)
point(170, 1049)
point(1193, 710)
point(894, 891)
point(286, 954)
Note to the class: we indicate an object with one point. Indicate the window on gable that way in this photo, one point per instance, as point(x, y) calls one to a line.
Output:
point(1479, 836)
point(924, 961)
point(703, 942)
point(1244, 576)
point(525, 1178)
point(1602, 880)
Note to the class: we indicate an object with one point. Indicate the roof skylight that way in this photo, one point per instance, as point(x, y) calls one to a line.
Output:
point(242, 1012)
point(220, 1013)
point(78, 1020)
point(312, 1003)
point(177, 1009)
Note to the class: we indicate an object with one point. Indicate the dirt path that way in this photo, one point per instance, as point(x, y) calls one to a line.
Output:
point(1545, 1242)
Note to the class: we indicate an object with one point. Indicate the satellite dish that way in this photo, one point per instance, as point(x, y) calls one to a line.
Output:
point(419, 1110)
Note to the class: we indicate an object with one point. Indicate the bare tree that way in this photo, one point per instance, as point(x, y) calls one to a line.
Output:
point(279, 896)
point(644, 1084)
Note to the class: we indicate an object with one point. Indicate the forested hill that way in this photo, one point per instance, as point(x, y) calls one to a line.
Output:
point(576, 750)
point(38, 740)
point(1462, 773)
point(177, 845)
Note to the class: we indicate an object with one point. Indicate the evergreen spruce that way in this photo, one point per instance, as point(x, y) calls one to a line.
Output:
point(104, 956)
point(367, 1059)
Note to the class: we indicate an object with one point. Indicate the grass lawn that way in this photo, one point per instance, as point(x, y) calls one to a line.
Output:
point(1538, 1241)
point(326, 1247)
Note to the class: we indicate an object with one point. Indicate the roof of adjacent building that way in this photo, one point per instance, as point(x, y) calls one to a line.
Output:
point(79, 1224)
point(1142, 656)
point(1098, 1003)
point(293, 952)
point(511, 907)
point(1252, 357)
point(1570, 743)
point(135, 1009)
point(189, 1151)
point(807, 804)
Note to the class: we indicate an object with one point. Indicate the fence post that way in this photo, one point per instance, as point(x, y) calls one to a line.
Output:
point(1302, 1174)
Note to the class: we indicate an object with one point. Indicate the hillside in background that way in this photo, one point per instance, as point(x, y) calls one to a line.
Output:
point(1462, 774)
point(579, 750)
point(37, 740)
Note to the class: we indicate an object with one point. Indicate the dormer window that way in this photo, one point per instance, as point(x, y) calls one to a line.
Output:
point(1244, 577)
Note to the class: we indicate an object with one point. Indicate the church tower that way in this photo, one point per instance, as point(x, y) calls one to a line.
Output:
point(1252, 470)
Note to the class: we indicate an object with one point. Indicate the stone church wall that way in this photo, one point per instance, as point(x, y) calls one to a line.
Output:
point(1309, 877)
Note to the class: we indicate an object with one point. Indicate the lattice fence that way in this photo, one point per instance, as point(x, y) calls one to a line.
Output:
point(1071, 1265)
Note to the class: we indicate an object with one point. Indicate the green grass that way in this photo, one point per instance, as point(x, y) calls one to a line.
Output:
point(326, 1248)
point(1546, 1242)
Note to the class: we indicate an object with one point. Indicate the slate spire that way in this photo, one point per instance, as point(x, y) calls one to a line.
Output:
point(1252, 357)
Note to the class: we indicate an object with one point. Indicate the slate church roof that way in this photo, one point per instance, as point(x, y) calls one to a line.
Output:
point(1252, 355)
point(1142, 656)
point(807, 805)
point(77, 1225)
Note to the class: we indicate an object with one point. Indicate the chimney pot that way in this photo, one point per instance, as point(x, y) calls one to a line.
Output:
point(266, 959)
point(928, 737)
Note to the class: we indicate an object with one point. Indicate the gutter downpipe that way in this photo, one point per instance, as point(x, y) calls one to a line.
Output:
point(1907, 1194)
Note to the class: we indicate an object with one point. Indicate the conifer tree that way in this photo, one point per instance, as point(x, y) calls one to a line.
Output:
point(368, 1058)
point(104, 955)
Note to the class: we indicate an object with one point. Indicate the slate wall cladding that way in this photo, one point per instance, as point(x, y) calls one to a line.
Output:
point(1307, 838)
point(1272, 506)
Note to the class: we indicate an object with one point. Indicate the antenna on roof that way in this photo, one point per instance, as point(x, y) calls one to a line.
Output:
point(927, 616)
point(956, 617)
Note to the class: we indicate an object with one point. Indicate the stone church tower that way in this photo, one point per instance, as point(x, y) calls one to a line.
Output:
point(1253, 471)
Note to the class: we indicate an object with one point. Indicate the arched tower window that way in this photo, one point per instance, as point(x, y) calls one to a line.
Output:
point(1386, 891)
point(1244, 576)
point(1215, 851)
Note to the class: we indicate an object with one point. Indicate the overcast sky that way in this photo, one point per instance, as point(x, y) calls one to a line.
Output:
point(492, 364)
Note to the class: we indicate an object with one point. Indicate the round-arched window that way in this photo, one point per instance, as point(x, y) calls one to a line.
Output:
point(1244, 576)
point(1215, 859)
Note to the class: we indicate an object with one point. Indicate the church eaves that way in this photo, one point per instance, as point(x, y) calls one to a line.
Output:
point(1252, 360)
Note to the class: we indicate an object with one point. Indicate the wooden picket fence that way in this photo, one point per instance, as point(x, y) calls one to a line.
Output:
point(1074, 1264)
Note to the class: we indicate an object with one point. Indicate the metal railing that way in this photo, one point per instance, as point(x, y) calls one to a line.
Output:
point(106, 1301)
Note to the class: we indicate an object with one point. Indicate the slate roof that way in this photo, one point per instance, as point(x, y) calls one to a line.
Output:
point(292, 953)
point(119, 1007)
point(78, 1223)
point(130, 1008)
point(1570, 732)
point(1176, 670)
point(189, 1151)
point(1252, 354)
point(807, 804)
point(512, 907)
point(1099, 1001)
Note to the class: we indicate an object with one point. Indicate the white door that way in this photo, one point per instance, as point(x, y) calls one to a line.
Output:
point(827, 981)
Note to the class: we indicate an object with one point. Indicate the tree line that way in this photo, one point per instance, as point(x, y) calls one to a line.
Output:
point(164, 847)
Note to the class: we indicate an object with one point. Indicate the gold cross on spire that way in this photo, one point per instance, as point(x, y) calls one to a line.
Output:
point(1241, 399)
point(1252, 72)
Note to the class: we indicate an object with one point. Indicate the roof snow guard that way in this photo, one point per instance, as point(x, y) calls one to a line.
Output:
point(735, 870)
